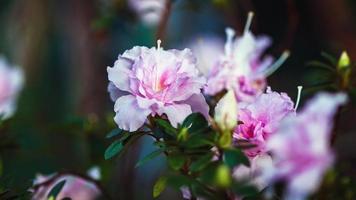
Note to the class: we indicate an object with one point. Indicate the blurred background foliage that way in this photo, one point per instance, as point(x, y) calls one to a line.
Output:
point(65, 112)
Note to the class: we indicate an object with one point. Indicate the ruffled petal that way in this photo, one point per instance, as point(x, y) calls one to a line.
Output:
point(129, 116)
point(119, 74)
point(114, 92)
point(176, 113)
point(198, 104)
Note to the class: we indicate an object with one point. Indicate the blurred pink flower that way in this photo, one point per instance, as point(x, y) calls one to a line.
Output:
point(241, 68)
point(11, 82)
point(155, 82)
point(253, 174)
point(261, 118)
point(75, 187)
point(149, 11)
point(208, 50)
point(301, 147)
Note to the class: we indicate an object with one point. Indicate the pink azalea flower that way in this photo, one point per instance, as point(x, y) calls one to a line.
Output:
point(11, 82)
point(75, 187)
point(241, 68)
point(261, 118)
point(253, 174)
point(149, 11)
point(301, 147)
point(155, 82)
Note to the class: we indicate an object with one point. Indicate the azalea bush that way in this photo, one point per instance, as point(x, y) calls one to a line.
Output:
point(254, 138)
point(204, 111)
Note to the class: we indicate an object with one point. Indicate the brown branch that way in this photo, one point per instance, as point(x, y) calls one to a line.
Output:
point(161, 31)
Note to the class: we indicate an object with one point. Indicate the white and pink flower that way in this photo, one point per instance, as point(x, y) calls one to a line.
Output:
point(261, 118)
point(208, 50)
point(11, 82)
point(301, 147)
point(241, 68)
point(153, 82)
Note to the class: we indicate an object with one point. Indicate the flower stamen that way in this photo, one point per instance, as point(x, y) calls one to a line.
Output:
point(300, 88)
point(277, 64)
point(249, 21)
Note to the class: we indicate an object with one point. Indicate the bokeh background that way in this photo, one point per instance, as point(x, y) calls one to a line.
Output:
point(64, 47)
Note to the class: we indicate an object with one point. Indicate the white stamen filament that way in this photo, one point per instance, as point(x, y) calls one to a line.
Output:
point(300, 88)
point(230, 34)
point(156, 84)
point(249, 21)
point(159, 44)
point(277, 64)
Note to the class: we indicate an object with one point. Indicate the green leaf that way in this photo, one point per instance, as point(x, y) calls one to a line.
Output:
point(320, 65)
point(195, 122)
point(188, 121)
point(113, 149)
point(167, 127)
point(159, 186)
point(176, 161)
point(330, 58)
point(235, 157)
point(201, 163)
point(244, 190)
point(117, 146)
point(196, 141)
point(56, 190)
point(114, 132)
point(177, 181)
point(149, 157)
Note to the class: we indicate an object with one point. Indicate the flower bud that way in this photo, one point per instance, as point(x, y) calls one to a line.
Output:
point(226, 111)
point(344, 60)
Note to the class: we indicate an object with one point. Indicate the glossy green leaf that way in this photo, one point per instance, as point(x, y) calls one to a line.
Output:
point(115, 148)
point(114, 133)
point(167, 127)
point(195, 122)
point(235, 157)
point(159, 186)
point(176, 161)
point(244, 190)
point(177, 181)
point(201, 163)
point(149, 157)
point(197, 141)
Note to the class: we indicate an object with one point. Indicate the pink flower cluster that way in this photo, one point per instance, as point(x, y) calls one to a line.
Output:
point(286, 145)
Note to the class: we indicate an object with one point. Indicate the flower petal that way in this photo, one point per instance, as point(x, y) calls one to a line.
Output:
point(119, 74)
point(129, 116)
point(114, 92)
point(198, 104)
point(176, 113)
